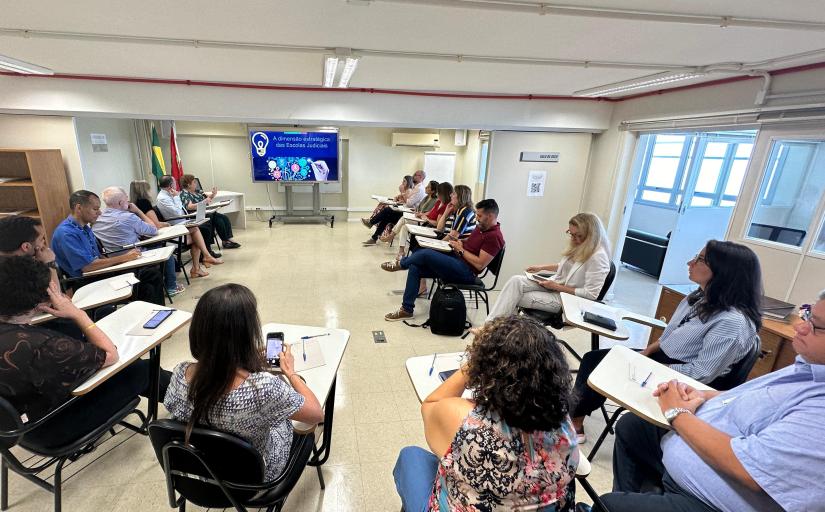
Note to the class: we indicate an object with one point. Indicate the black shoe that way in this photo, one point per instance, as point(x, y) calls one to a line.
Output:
point(583, 507)
point(231, 245)
point(215, 254)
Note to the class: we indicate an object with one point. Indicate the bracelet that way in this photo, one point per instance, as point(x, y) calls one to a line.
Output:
point(89, 326)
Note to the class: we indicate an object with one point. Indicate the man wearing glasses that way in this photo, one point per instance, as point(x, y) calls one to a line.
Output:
point(758, 446)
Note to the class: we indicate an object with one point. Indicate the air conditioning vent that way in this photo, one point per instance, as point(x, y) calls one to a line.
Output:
point(417, 140)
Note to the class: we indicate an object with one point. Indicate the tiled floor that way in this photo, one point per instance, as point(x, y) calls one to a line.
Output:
point(314, 275)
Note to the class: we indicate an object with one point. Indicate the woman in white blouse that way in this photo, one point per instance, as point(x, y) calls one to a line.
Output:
point(582, 270)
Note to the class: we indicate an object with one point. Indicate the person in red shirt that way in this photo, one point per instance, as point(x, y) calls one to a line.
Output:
point(468, 259)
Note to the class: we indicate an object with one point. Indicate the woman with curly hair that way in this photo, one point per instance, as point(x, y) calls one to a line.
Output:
point(511, 446)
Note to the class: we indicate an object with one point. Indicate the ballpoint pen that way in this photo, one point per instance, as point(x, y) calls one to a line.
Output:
point(646, 379)
point(432, 365)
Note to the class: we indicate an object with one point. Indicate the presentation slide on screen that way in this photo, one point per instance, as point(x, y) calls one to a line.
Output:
point(294, 156)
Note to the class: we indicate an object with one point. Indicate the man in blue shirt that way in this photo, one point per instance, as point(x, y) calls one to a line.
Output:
point(76, 252)
point(122, 224)
point(756, 447)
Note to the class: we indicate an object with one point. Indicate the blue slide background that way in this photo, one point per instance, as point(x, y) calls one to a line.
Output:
point(287, 155)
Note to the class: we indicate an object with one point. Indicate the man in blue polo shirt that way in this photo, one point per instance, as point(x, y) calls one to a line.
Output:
point(76, 252)
point(758, 447)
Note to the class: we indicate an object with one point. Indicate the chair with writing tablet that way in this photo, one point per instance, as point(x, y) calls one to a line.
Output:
point(220, 470)
point(556, 321)
point(737, 375)
point(15, 433)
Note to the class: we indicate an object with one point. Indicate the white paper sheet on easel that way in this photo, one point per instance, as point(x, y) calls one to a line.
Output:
point(315, 357)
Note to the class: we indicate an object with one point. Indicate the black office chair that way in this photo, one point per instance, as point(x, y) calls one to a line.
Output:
point(13, 432)
point(737, 375)
point(478, 288)
point(220, 470)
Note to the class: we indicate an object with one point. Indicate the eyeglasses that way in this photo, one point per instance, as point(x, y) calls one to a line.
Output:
point(575, 236)
point(815, 329)
point(699, 259)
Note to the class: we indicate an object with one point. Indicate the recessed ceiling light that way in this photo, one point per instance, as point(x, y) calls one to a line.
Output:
point(18, 66)
point(330, 68)
point(349, 68)
point(639, 83)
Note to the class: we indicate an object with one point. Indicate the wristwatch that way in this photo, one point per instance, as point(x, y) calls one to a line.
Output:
point(52, 264)
point(673, 412)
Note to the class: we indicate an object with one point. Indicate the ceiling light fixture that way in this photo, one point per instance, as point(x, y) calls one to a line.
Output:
point(330, 68)
point(349, 68)
point(639, 83)
point(18, 66)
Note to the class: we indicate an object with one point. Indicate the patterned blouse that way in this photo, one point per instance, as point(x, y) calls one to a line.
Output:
point(187, 197)
point(490, 466)
point(39, 367)
point(258, 410)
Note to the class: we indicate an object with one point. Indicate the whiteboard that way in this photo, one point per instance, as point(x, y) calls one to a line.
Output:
point(439, 166)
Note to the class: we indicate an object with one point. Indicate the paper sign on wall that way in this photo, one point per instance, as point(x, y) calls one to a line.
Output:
point(98, 138)
point(535, 183)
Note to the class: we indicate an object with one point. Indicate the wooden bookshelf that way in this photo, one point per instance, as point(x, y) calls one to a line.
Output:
point(43, 191)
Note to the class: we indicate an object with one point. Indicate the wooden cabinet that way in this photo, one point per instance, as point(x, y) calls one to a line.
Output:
point(776, 350)
point(38, 186)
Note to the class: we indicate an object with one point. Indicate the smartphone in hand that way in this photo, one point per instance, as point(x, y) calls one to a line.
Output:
point(274, 347)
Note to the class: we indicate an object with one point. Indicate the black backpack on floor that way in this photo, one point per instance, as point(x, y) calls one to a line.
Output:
point(448, 312)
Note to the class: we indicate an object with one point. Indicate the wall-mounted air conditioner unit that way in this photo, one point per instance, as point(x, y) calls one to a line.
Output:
point(418, 140)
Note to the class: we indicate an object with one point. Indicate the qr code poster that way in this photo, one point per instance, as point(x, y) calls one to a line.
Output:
point(535, 183)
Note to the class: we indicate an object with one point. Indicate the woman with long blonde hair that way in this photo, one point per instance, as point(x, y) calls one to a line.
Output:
point(582, 271)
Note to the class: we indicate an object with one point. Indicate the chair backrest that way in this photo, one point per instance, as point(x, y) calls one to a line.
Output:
point(198, 470)
point(157, 212)
point(607, 282)
point(739, 372)
point(9, 422)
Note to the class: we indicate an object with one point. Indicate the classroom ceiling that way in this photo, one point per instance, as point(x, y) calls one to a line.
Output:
point(479, 46)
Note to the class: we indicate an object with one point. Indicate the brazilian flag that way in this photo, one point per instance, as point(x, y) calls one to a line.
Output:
point(158, 168)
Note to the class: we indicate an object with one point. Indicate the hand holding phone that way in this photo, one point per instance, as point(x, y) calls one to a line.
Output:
point(274, 347)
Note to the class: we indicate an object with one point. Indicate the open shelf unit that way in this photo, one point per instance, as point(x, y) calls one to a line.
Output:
point(40, 189)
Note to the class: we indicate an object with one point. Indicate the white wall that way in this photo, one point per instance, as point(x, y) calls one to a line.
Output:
point(118, 166)
point(652, 219)
point(218, 153)
point(44, 132)
point(534, 227)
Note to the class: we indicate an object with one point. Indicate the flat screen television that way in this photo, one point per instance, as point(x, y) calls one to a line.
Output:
point(294, 156)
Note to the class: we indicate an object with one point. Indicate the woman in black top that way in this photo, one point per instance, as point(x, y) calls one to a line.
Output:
point(190, 198)
point(39, 367)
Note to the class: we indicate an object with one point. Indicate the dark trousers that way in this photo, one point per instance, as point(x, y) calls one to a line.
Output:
point(96, 407)
point(208, 234)
point(588, 400)
point(429, 263)
point(151, 285)
point(637, 466)
point(222, 226)
point(383, 219)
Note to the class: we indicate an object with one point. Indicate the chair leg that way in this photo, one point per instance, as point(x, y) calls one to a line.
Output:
point(58, 485)
point(486, 300)
point(182, 506)
point(4, 481)
point(598, 505)
point(318, 469)
point(608, 429)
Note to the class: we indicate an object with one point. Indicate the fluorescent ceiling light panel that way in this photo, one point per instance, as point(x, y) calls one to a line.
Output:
point(349, 68)
point(639, 83)
point(330, 68)
point(18, 66)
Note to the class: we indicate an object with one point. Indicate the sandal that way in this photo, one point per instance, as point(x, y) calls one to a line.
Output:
point(215, 261)
point(391, 266)
point(199, 273)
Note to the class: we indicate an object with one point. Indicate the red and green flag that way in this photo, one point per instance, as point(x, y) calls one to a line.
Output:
point(158, 168)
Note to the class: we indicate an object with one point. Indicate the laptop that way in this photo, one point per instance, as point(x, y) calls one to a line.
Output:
point(200, 215)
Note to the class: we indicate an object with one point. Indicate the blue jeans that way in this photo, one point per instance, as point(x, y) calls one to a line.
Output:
point(169, 277)
point(414, 473)
point(430, 263)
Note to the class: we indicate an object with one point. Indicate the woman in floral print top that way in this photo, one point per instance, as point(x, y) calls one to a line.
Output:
point(510, 447)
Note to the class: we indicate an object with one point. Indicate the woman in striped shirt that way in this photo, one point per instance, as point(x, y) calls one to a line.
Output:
point(711, 330)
